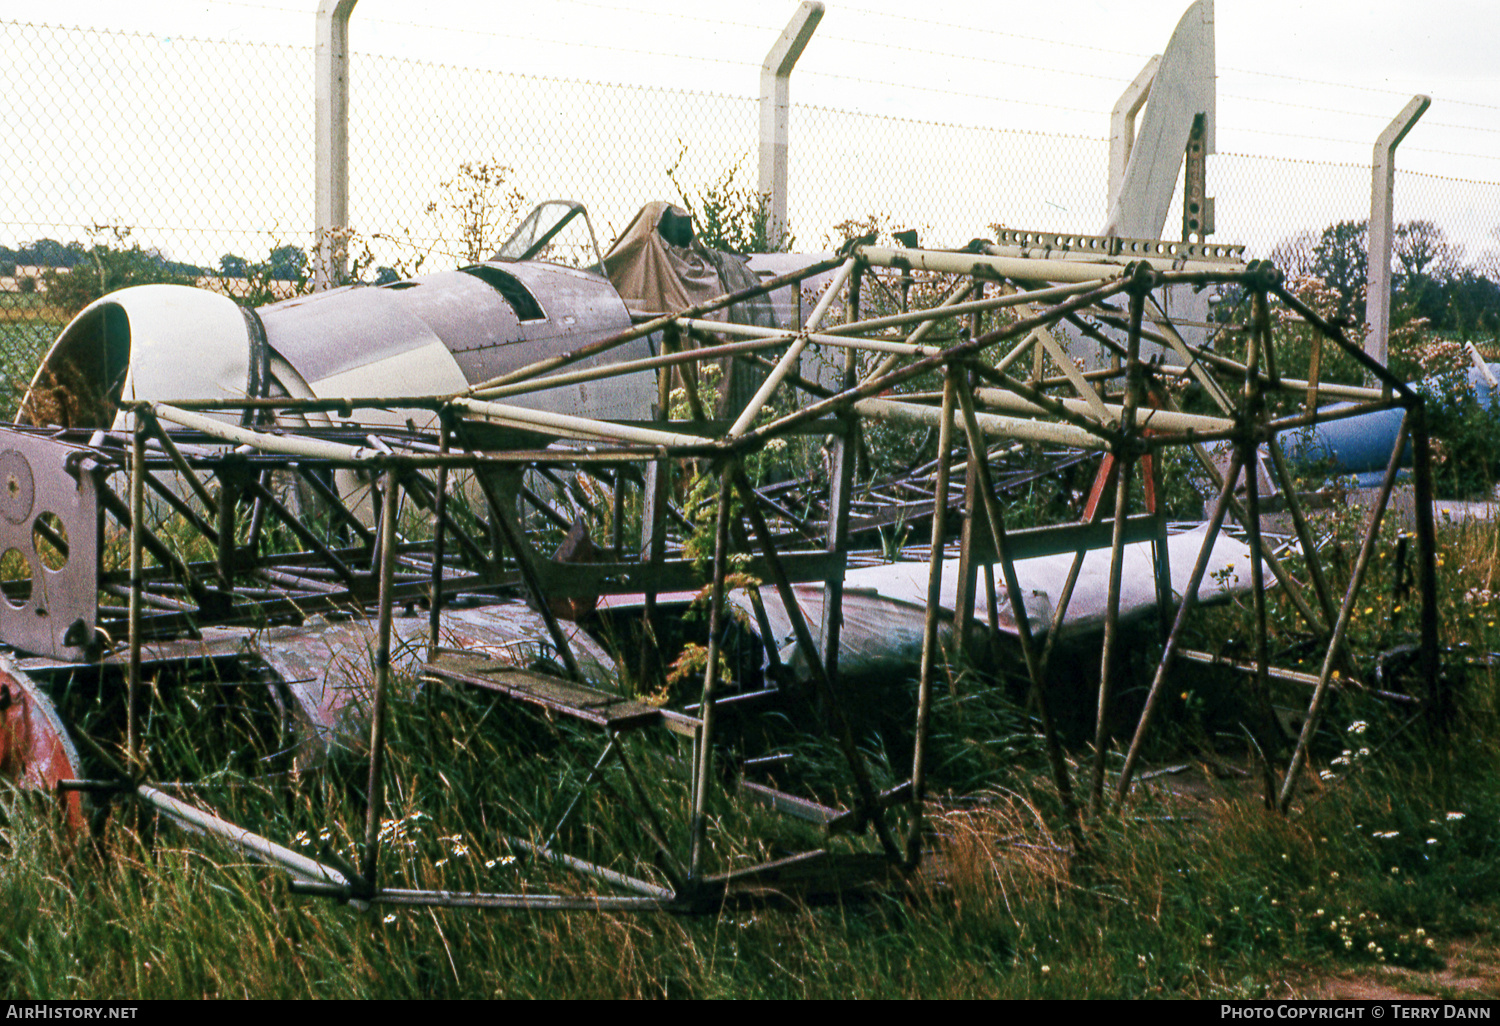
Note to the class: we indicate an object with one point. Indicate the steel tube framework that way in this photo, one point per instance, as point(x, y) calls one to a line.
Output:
point(180, 447)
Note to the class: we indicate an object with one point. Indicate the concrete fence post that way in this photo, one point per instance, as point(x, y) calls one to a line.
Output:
point(331, 165)
point(1382, 207)
point(775, 113)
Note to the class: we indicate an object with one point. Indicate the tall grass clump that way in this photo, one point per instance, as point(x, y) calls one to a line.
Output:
point(1192, 888)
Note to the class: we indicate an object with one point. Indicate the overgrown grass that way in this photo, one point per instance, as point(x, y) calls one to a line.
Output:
point(1172, 907)
point(1194, 889)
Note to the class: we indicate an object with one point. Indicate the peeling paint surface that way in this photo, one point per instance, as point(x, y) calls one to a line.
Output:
point(35, 750)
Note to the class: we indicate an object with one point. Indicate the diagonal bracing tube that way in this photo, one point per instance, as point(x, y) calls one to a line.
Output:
point(1346, 612)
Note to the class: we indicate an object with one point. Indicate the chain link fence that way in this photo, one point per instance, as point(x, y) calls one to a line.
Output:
point(420, 135)
point(136, 158)
point(133, 158)
point(952, 182)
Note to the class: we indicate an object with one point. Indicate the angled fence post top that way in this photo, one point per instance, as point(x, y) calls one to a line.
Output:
point(1403, 123)
point(775, 110)
point(332, 139)
point(1122, 125)
point(1382, 212)
point(783, 56)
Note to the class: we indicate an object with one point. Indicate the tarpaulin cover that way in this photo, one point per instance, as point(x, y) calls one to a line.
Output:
point(658, 265)
point(652, 274)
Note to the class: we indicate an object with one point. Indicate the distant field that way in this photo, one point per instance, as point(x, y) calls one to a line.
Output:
point(16, 307)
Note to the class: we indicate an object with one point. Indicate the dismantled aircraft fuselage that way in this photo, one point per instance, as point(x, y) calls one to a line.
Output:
point(280, 494)
point(434, 335)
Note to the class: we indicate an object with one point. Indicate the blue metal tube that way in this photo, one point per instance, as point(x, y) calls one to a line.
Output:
point(1362, 445)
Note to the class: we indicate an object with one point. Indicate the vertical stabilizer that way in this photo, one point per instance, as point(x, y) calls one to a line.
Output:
point(1182, 90)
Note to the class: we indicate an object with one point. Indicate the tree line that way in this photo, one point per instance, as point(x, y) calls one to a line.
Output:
point(1430, 277)
point(74, 274)
point(50, 254)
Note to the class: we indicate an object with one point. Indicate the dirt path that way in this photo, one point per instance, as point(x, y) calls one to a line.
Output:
point(1473, 972)
point(1206, 788)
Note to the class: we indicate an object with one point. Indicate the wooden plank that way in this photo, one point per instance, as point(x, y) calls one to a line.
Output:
point(566, 580)
point(566, 698)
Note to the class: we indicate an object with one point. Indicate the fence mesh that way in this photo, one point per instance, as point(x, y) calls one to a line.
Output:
point(950, 181)
point(414, 126)
point(136, 157)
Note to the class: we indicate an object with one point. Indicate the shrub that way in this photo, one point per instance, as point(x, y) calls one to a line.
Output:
point(729, 217)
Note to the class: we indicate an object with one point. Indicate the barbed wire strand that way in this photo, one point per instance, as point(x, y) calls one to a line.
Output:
point(768, 27)
point(1351, 113)
point(1357, 88)
point(1365, 142)
point(911, 19)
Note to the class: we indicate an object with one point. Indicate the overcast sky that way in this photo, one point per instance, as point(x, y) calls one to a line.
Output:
point(1297, 78)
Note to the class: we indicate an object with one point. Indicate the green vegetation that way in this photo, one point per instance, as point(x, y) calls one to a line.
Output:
point(1467, 463)
point(284, 273)
point(727, 216)
point(1431, 279)
point(23, 343)
point(106, 266)
point(1193, 889)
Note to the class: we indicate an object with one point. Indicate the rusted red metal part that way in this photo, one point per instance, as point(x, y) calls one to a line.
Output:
point(35, 750)
point(1109, 471)
point(1105, 480)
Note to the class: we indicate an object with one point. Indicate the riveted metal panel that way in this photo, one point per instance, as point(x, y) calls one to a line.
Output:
point(50, 605)
point(335, 333)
